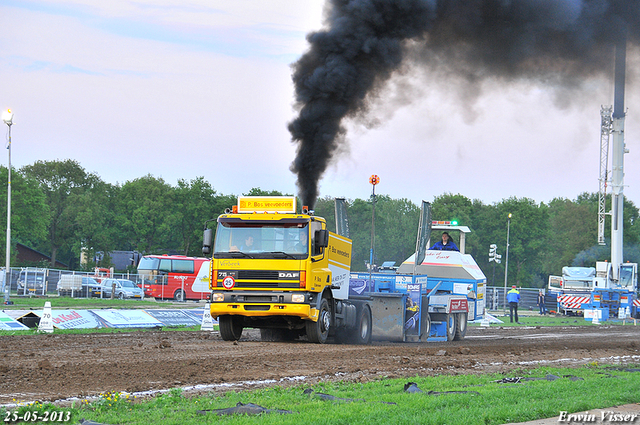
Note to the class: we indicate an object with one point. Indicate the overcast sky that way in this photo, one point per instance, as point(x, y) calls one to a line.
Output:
point(182, 89)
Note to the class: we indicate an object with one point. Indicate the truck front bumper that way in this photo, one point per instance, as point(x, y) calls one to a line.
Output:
point(263, 303)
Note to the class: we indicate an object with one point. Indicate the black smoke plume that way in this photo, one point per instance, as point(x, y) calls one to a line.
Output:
point(557, 42)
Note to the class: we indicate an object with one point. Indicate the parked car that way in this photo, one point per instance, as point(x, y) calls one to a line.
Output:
point(124, 288)
point(31, 280)
point(91, 287)
point(78, 286)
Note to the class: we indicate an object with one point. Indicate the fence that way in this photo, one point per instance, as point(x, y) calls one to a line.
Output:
point(28, 281)
point(528, 299)
point(31, 281)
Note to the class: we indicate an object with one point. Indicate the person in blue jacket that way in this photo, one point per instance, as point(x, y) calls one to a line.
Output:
point(446, 244)
point(513, 298)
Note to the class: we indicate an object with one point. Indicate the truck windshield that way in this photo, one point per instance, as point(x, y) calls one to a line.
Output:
point(255, 239)
point(626, 276)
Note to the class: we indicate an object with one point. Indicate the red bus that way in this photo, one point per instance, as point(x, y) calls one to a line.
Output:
point(175, 276)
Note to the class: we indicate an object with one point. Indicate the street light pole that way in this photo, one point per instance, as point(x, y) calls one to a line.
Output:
point(506, 265)
point(374, 180)
point(7, 117)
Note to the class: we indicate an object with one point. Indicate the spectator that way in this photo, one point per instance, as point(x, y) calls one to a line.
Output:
point(541, 302)
point(513, 298)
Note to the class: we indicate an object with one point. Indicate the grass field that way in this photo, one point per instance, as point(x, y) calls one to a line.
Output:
point(37, 303)
point(465, 400)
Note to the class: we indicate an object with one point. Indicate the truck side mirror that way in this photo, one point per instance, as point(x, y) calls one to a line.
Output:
point(322, 239)
point(207, 241)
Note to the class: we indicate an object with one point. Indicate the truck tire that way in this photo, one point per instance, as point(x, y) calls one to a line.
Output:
point(451, 324)
point(318, 332)
point(230, 328)
point(461, 326)
point(426, 327)
point(362, 332)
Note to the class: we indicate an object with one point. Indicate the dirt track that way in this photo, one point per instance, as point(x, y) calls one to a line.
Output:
point(52, 367)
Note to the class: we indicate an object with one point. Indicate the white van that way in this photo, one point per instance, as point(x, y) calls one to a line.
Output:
point(69, 284)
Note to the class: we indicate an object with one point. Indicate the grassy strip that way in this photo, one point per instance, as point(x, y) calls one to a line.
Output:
point(488, 402)
point(37, 303)
point(552, 320)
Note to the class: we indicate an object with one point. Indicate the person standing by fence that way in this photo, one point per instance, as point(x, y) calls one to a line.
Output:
point(541, 302)
point(513, 298)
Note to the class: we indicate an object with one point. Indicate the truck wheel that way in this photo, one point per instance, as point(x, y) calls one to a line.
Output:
point(461, 327)
point(319, 331)
point(426, 328)
point(179, 295)
point(230, 328)
point(451, 326)
point(362, 332)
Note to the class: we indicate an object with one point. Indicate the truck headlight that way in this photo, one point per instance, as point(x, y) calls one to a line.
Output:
point(297, 298)
point(217, 297)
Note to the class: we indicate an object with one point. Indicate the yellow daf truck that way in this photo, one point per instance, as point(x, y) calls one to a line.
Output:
point(284, 273)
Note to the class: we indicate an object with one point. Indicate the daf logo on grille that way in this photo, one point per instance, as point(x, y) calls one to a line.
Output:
point(288, 275)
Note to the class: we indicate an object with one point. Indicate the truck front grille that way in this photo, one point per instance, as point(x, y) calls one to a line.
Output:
point(265, 279)
point(258, 274)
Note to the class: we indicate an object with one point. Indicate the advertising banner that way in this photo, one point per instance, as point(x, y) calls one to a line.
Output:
point(8, 323)
point(75, 319)
point(412, 312)
point(173, 317)
point(127, 318)
point(197, 313)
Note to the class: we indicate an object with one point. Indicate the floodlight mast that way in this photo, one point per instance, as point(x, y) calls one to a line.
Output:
point(617, 161)
point(7, 117)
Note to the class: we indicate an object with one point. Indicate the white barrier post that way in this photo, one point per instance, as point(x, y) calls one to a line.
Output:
point(207, 321)
point(46, 322)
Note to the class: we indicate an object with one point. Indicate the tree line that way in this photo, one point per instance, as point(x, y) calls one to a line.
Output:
point(60, 209)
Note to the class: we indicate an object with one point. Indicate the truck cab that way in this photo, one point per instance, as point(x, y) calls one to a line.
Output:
point(277, 270)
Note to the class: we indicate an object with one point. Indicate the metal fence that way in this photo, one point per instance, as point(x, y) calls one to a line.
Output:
point(26, 281)
point(495, 298)
point(30, 281)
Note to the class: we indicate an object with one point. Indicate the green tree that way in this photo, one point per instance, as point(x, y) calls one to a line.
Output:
point(97, 227)
point(194, 201)
point(572, 228)
point(325, 207)
point(396, 227)
point(359, 213)
point(60, 180)
point(29, 212)
point(148, 215)
point(256, 191)
point(526, 239)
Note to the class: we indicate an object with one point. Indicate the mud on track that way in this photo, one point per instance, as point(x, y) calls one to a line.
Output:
point(50, 367)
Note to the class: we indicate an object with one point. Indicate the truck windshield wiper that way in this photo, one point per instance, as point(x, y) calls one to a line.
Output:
point(286, 254)
point(244, 254)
